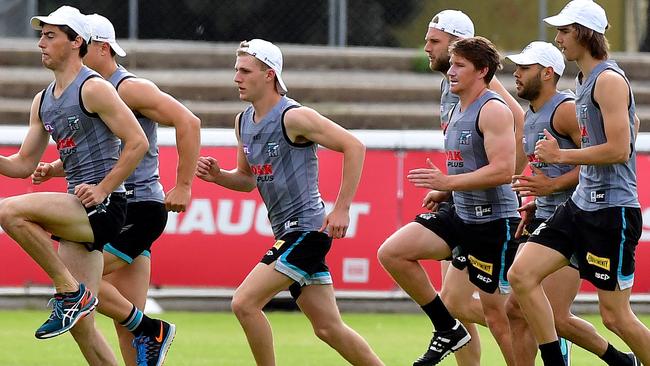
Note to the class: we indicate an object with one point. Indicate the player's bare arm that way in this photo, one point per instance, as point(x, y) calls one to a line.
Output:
point(305, 124)
point(497, 126)
point(23, 163)
point(612, 94)
point(518, 114)
point(239, 179)
point(146, 98)
point(565, 123)
point(100, 97)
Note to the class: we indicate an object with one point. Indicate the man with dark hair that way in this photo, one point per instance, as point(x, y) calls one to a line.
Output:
point(278, 139)
point(86, 118)
point(539, 67)
point(599, 227)
point(403, 261)
point(480, 149)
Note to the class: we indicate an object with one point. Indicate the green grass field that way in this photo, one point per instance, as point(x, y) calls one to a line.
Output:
point(216, 339)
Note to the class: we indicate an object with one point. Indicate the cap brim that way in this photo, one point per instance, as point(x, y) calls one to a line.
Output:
point(118, 50)
point(36, 22)
point(521, 59)
point(558, 20)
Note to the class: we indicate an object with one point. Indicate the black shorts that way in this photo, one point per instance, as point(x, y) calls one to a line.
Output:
point(531, 227)
point(106, 220)
point(300, 255)
point(442, 223)
point(601, 242)
point(486, 249)
point(145, 222)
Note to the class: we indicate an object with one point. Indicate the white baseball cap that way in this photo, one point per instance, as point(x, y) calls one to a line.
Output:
point(584, 12)
point(65, 15)
point(101, 30)
point(542, 53)
point(454, 22)
point(271, 55)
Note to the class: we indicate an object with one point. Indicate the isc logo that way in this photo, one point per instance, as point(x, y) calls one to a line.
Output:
point(602, 276)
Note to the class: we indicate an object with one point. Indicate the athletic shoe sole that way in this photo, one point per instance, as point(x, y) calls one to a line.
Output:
point(166, 344)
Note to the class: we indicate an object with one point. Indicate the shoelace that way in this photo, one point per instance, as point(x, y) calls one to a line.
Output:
point(57, 308)
point(142, 349)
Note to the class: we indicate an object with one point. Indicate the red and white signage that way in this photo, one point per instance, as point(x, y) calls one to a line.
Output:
point(223, 234)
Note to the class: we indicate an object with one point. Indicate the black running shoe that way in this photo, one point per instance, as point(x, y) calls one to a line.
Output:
point(443, 343)
point(152, 349)
point(634, 361)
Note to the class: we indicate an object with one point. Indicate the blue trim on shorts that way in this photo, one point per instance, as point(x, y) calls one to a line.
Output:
point(283, 257)
point(111, 249)
point(504, 285)
point(619, 270)
point(146, 253)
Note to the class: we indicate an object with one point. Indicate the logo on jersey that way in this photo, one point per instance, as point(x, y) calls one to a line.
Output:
point(272, 149)
point(73, 123)
point(246, 149)
point(600, 262)
point(66, 146)
point(264, 172)
point(454, 159)
point(48, 127)
point(291, 223)
point(465, 137)
point(582, 119)
point(597, 196)
point(484, 210)
point(532, 159)
point(480, 265)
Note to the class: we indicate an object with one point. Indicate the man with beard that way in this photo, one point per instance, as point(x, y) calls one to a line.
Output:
point(600, 226)
point(457, 292)
point(539, 67)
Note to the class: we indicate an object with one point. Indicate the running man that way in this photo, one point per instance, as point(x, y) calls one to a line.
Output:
point(86, 118)
point(600, 226)
point(480, 149)
point(127, 263)
point(539, 67)
point(278, 140)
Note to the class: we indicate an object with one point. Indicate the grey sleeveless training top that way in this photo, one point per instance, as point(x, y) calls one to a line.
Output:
point(447, 102)
point(601, 186)
point(286, 172)
point(534, 125)
point(465, 151)
point(144, 183)
point(87, 147)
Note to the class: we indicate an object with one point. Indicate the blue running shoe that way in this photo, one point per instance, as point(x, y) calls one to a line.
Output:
point(151, 350)
point(565, 347)
point(67, 310)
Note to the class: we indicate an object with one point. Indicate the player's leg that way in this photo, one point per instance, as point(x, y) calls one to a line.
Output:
point(257, 289)
point(400, 255)
point(87, 266)
point(124, 291)
point(319, 305)
point(463, 305)
point(30, 219)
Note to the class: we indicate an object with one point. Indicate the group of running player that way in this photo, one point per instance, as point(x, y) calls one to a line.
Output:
point(584, 221)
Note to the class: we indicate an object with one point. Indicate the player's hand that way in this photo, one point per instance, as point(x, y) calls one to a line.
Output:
point(548, 150)
point(177, 199)
point(208, 169)
point(432, 199)
point(527, 212)
point(336, 223)
point(430, 177)
point(42, 173)
point(90, 194)
point(536, 185)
